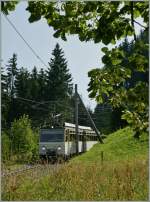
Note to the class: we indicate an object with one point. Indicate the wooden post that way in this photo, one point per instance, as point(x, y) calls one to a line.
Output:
point(76, 119)
point(102, 156)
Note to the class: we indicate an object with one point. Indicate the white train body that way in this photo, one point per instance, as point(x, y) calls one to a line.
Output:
point(62, 142)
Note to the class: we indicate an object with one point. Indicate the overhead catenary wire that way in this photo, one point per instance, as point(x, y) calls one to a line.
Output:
point(39, 103)
point(34, 107)
point(29, 46)
point(43, 102)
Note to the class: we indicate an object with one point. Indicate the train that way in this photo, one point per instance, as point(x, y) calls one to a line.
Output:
point(60, 143)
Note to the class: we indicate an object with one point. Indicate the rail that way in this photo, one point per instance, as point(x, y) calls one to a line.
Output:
point(29, 168)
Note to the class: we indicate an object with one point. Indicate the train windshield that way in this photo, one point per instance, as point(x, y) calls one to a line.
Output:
point(51, 136)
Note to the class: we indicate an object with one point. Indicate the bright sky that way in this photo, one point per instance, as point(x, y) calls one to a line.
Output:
point(81, 56)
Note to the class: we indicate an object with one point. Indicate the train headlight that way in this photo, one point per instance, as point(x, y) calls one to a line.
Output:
point(43, 148)
point(59, 148)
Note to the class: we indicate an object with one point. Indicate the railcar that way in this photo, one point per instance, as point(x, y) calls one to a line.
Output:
point(57, 143)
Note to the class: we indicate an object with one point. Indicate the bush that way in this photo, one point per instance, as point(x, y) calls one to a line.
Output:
point(24, 139)
point(6, 144)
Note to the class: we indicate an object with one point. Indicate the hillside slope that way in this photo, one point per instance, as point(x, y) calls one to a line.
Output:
point(120, 145)
point(122, 175)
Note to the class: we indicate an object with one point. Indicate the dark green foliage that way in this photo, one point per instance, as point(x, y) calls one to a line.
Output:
point(7, 6)
point(5, 100)
point(124, 81)
point(103, 118)
point(59, 84)
point(40, 94)
point(58, 77)
point(12, 71)
point(98, 21)
point(6, 146)
point(11, 74)
point(23, 139)
point(22, 83)
point(41, 84)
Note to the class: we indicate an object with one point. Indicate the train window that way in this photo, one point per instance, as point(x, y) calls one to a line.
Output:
point(52, 137)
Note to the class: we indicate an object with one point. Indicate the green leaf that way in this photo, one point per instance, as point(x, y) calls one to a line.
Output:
point(63, 37)
point(57, 34)
point(116, 61)
point(104, 49)
point(34, 18)
point(105, 59)
point(113, 41)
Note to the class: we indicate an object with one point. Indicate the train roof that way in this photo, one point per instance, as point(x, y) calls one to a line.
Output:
point(80, 127)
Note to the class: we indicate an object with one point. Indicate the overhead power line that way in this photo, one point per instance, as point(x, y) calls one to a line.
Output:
point(32, 106)
point(43, 102)
point(33, 51)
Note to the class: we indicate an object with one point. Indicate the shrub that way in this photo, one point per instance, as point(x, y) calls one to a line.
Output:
point(24, 141)
point(6, 143)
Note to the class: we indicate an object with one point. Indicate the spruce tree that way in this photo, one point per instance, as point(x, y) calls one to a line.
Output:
point(12, 71)
point(34, 85)
point(11, 74)
point(59, 79)
point(42, 84)
point(59, 84)
point(4, 99)
point(22, 88)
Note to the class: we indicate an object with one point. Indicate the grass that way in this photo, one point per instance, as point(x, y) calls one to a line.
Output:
point(12, 166)
point(122, 175)
point(120, 145)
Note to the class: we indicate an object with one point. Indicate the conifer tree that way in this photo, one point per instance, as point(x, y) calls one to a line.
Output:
point(11, 74)
point(42, 84)
point(59, 84)
point(12, 71)
point(34, 85)
point(59, 79)
point(4, 98)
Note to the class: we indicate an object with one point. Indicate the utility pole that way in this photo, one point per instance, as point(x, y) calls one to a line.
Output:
point(76, 120)
point(91, 120)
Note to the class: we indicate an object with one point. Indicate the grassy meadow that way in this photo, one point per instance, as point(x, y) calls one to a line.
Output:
point(116, 170)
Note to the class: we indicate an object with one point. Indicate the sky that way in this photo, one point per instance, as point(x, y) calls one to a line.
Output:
point(81, 56)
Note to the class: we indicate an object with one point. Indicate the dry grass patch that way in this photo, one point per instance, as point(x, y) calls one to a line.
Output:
point(117, 181)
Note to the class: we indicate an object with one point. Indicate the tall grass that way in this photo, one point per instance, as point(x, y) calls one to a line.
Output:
point(122, 175)
point(116, 181)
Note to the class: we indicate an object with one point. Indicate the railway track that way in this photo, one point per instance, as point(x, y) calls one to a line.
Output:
point(31, 169)
point(11, 180)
